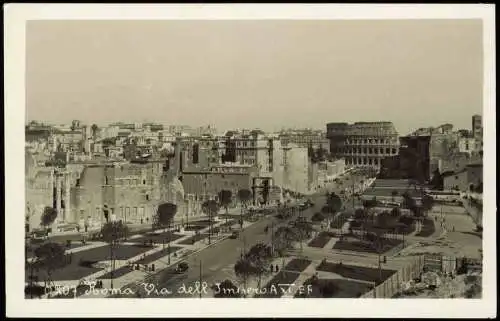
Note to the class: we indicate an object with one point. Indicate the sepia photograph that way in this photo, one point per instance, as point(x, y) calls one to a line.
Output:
point(245, 156)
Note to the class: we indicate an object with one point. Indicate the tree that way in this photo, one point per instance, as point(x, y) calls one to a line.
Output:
point(244, 269)
point(265, 191)
point(328, 289)
point(260, 256)
point(409, 202)
point(284, 237)
point(112, 233)
point(394, 193)
point(360, 213)
point(163, 218)
point(210, 208)
point(226, 289)
point(225, 198)
point(318, 217)
point(396, 212)
point(50, 256)
point(334, 202)
point(244, 196)
point(49, 215)
point(437, 180)
point(427, 203)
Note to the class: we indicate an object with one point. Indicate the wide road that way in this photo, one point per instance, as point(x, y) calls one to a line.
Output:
point(224, 253)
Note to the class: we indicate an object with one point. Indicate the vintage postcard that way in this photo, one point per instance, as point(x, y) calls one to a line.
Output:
point(250, 160)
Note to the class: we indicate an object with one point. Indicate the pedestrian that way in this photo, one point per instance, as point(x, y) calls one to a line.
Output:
point(277, 268)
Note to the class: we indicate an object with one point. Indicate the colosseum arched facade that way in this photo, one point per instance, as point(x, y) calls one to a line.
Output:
point(363, 143)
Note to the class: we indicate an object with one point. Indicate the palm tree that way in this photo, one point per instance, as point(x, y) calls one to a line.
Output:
point(112, 233)
point(210, 208)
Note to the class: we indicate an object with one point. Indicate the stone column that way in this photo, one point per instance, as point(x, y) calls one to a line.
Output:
point(67, 202)
point(58, 194)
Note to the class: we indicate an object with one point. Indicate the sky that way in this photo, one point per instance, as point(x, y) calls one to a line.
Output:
point(256, 74)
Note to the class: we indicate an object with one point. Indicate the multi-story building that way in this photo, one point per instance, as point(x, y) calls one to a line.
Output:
point(477, 127)
point(412, 162)
point(443, 142)
point(207, 183)
point(467, 143)
point(128, 191)
point(296, 169)
point(466, 180)
point(305, 138)
point(477, 131)
point(363, 143)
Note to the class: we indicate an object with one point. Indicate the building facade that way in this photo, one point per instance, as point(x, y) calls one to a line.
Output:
point(464, 180)
point(412, 161)
point(363, 143)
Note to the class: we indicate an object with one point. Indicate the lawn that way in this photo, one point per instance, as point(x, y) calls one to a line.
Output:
point(75, 271)
point(158, 255)
point(428, 228)
point(320, 240)
point(342, 289)
point(193, 239)
point(297, 265)
point(31, 248)
point(191, 227)
point(356, 272)
point(117, 273)
point(369, 227)
point(273, 289)
point(356, 245)
point(157, 237)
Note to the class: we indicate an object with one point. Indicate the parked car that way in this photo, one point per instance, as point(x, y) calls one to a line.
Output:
point(182, 267)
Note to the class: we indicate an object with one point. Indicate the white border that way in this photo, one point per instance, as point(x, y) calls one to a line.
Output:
point(15, 18)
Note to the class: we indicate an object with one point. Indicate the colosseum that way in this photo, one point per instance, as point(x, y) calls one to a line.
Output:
point(363, 143)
